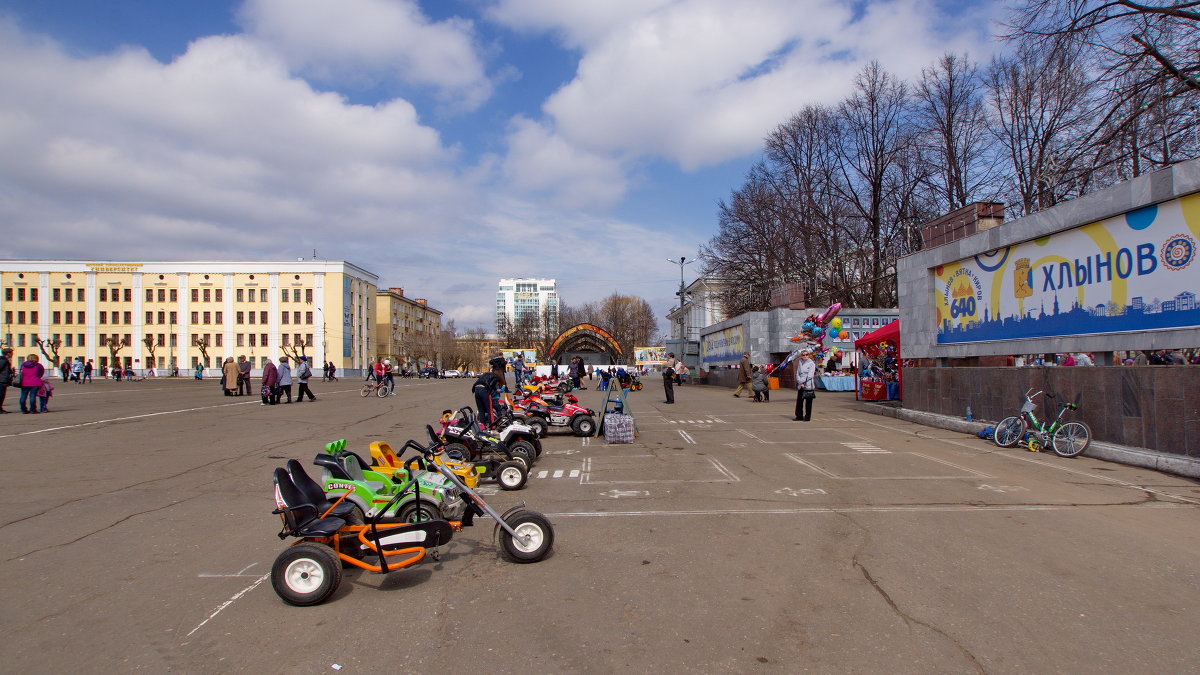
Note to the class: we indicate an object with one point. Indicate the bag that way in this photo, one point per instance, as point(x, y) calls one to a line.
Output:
point(809, 394)
point(987, 432)
point(669, 372)
point(618, 428)
point(266, 391)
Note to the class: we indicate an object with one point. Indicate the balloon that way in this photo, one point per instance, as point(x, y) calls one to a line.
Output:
point(836, 322)
point(844, 334)
point(819, 330)
point(831, 312)
point(807, 326)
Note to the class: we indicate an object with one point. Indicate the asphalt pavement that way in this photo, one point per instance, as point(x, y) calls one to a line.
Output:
point(727, 538)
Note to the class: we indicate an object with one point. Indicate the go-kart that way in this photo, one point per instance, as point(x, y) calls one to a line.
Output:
point(542, 414)
point(516, 433)
point(387, 462)
point(342, 472)
point(465, 442)
point(310, 570)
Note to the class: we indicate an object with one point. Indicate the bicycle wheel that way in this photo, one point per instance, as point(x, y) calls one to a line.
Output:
point(1009, 432)
point(365, 391)
point(1071, 439)
point(382, 391)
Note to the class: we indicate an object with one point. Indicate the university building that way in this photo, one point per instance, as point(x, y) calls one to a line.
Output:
point(167, 314)
point(408, 330)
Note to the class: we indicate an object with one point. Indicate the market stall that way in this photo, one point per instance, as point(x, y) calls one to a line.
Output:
point(878, 377)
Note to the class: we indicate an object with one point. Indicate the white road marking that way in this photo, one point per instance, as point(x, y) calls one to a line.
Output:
point(558, 473)
point(615, 494)
point(794, 492)
point(1004, 488)
point(574, 473)
point(230, 601)
point(982, 508)
point(543, 474)
point(240, 573)
point(687, 437)
point(830, 474)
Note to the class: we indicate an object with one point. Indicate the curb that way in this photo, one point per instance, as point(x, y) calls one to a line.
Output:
point(1110, 452)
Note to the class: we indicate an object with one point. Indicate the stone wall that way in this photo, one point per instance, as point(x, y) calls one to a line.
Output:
point(1152, 407)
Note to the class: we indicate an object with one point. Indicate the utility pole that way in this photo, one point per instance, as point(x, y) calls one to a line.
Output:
point(682, 318)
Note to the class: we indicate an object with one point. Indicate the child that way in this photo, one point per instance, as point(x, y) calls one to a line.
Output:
point(758, 384)
point(45, 391)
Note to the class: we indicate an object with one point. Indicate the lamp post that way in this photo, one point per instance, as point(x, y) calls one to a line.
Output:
point(682, 320)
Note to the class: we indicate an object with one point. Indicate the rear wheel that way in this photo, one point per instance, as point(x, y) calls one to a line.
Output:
point(1009, 432)
point(410, 513)
point(1071, 439)
point(538, 424)
point(512, 475)
point(457, 451)
point(535, 537)
point(365, 391)
point(306, 574)
point(524, 451)
point(584, 425)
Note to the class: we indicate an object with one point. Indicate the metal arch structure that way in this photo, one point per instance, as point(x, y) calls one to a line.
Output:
point(586, 337)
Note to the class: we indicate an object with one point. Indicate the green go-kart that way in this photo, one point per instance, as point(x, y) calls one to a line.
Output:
point(372, 493)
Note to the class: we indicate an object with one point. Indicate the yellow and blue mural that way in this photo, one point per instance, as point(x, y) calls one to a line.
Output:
point(723, 345)
point(1131, 272)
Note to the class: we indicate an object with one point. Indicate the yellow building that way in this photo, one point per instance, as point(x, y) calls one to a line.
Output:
point(408, 331)
point(162, 314)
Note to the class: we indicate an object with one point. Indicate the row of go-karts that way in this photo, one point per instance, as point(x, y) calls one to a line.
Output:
point(388, 513)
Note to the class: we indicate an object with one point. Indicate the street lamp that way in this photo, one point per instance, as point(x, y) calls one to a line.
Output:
point(682, 325)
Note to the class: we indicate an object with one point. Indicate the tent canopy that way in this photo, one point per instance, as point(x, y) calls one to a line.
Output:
point(888, 333)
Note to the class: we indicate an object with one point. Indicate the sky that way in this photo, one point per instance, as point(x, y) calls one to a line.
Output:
point(441, 145)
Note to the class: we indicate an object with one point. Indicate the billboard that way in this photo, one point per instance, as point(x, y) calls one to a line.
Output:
point(723, 345)
point(649, 356)
point(1132, 272)
point(528, 355)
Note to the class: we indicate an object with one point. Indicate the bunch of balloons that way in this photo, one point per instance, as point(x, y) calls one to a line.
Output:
point(816, 327)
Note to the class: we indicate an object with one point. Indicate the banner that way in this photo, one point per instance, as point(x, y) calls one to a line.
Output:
point(1132, 272)
point(528, 355)
point(723, 345)
point(649, 356)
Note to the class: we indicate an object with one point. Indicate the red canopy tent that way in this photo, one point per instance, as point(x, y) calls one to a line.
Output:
point(876, 345)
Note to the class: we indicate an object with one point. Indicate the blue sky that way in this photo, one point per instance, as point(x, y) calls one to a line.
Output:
point(441, 145)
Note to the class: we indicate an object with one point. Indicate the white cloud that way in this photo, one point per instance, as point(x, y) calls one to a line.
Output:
point(346, 41)
point(538, 161)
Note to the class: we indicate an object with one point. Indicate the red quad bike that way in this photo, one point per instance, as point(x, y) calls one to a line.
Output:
point(542, 414)
point(310, 570)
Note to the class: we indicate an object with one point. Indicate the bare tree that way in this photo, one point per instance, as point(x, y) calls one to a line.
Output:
point(202, 345)
point(151, 344)
point(114, 348)
point(49, 348)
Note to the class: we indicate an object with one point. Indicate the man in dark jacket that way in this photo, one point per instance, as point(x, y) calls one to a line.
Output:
point(743, 375)
point(486, 387)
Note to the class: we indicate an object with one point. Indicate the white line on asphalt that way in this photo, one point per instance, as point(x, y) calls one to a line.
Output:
point(558, 474)
point(687, 437)
point(93, 393)
point(543, 474)
point(983, 508)
point(230, 601)
point(574, 473)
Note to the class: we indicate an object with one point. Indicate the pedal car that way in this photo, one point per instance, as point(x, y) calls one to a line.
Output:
point(342, 472)
point(465, 442)
point(387, 462)
point(310, 570)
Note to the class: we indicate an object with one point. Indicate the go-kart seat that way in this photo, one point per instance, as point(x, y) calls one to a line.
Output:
point(315, 494)
point(353, 467)
point(300, 518)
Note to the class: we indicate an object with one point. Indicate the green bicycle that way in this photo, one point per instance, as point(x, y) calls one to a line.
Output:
point(1066, 439)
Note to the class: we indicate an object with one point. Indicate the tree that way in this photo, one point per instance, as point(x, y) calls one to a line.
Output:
point(202, 345)
point(49, 348)
point(151, 344)
point(114, 348)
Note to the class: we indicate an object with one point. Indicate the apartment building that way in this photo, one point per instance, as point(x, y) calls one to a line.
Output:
point(518, 299)
point(407, 329)
point(164, 314)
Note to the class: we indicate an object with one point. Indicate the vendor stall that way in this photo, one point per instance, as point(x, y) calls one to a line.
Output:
point(878, 377)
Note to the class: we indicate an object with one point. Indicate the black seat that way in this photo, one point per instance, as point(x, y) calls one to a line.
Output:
point(315, 494)
point(300, 518)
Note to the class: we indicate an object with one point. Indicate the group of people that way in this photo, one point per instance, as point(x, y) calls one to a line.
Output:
point(753, 379)
point(277, 380)
point(383, 373)
point(76, 371)
point(31, 376)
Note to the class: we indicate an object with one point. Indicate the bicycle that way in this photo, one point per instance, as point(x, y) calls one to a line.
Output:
point(380, 389)
point(1066, 439)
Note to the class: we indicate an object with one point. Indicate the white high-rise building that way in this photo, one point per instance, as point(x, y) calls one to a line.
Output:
point(518, 298)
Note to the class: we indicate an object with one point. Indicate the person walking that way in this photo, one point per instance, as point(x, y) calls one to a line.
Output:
point(669, 377)
point(244, 367)
point(31, 380)
point(6, 375)
point(806, 372)
point(303, 372)
point(743, 375)
point(518, 366)
point(270, 378)
point(87, 371)
point(389, 377)
point(77, 371)
point(285, 380)
point(231, 374)
point(589, 372)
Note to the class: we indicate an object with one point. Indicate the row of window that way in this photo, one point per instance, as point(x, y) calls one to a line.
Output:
point(160, 340)
point(198, 294)
point(198, 318)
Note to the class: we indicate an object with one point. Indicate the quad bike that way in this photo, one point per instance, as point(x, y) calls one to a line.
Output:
point(543, 414)
point(342, 473)
point(387, 462)
point(466, 443)
point(518, 440)
point(516, 432)
point(310, 570)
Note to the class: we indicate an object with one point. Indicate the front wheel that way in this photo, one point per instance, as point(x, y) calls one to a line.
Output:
point(523, 451)
point(306, 574)
point(1071, 439)
point(365, 391)
point(538, 424)
point(535, 537)
point(457, 451)
point(584, 425)
point(410, 513)
point(512, 475)
point(382, 392)
point(1009, 432)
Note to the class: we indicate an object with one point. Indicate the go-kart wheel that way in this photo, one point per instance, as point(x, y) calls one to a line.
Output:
point(523, 451)
point(428, 511)
point(306, 574)
point(584, 425)
point(563, 387)
point(535, 537)
point(539, 425)
point(457, 451)
point(512, 475)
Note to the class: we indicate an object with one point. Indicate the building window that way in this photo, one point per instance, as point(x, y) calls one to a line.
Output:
point(253, 315)
point(284, 297)
point(174, 318)
point(162, 316)
point(208, 295)
point(218, 295)
point(69, 290)
point(195, 295)
point(8, 317)
point(174, 295)
point(20, 339)
point(70, 339)
point(219, 336)
point(251, 296)
point(263, 338)
point(207, 318)
point(8, 297)
point(33, 294)
point(33, 317)
point(149, 295)
point(239, 316)
point(296, 317)
point(286, 341)
point(296, 339)
point(55, 317)
point(308, 339)
point(128, 295)
point(195, 318)
point(241, 340)
point(295, 295)
point(308, 318)
point(128, 318)
point(308, 295)
point(79, 341)
point(253, 340)
point(262, 316)
point(102, 316)
point(103, 295)
point(54, 294)
point(162, 340)
point(262, 295)
point(162, 295)
point(80, 318)
point(220, 317)
point(285, 317)
point(150, 317)
point(240, 296)
point(174, 340)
